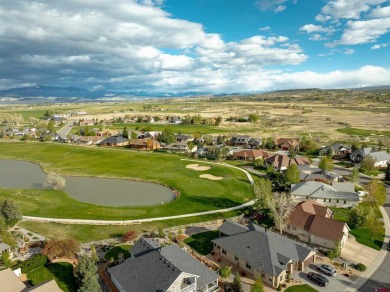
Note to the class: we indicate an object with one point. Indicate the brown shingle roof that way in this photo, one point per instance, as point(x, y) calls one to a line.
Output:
point(280, 160)
point(327, 228)
point(251, 153)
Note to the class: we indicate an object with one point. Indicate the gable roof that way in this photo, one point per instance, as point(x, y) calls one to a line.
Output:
point(47, 286)
point(251, 153)
point(114, 140)
point(380, 156)
point(315, 189)
point(362, 152)
point(156, 268)
point(10, 282)
point(264, 250)
point(344, 187)
point(315, 219)
point(280, 160)
point(230, 228)
point(291, 141)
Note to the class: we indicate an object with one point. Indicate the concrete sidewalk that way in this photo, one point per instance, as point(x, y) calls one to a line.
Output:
point(366, 275)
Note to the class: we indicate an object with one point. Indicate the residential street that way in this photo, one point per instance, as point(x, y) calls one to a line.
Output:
point(65, 129)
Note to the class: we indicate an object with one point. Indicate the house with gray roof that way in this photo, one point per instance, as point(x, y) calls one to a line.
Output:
point(337, 150)
point(359, 154)
point(114, 141)
point(324, 194)
point(168, 268)
point(381, 158)
point(263, 253)
point(310, 172)
point(5, 247)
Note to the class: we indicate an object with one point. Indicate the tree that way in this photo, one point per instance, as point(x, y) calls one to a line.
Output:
point(387, 172)
point(129, 236)
point(5, 259)
point(225, 272)
point(368, 163)
point(357, 217)
point(329, 152)
point(258, 163)
point(218, 121)
point(376, 193)
point(258, 286)
point(237, 285)
point(326, 163)
point(292, 152)
point(355, 175)
point(86, 275)
point(94, 255)
point(280, 206)
point(10, 211)
point(66, 248)
point(253, 118)
point(161, 232)
point(125, 133)
point(373, 224)
point(133, 135)
point(54, 181)
point(292, 174)
point(263, 190)
point(51, 126)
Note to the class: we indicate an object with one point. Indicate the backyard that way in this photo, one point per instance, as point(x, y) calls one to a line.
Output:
point(116, 250)
point(201, 242)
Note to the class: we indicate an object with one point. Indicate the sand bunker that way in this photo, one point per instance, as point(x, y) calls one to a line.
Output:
point(197, 167)
point(211, 177)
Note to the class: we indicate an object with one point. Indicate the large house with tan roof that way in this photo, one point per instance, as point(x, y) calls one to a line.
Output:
point(250, 154)
point(10, 282)
point(312, 222)
point(286, 143)
point(280, 162)
point(144, 144)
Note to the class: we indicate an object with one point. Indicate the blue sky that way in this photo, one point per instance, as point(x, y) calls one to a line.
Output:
point(195, 45)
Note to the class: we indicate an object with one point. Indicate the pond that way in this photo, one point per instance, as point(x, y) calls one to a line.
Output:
point(99, 191)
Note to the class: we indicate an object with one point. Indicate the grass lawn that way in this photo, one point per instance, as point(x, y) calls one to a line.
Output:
point(362, 236)
point(88, 233)
point(196, 194)
point(201, 242)
point(115, 251)
point(363, 132)
point(61, 272)
point(300, 288)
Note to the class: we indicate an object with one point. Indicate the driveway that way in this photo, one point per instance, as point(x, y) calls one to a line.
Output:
point(358, 253)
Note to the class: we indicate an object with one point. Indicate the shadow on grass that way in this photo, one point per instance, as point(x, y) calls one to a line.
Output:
point(201, 242)
point(63, 272)
point(219, 203)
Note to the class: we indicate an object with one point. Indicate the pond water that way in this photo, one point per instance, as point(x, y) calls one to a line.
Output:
point(94, 190)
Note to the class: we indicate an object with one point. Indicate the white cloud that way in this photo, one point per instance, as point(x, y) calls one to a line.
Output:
point(380, 12)
point(379, 46)
point(349, 51)
point(346, 9)
point(362, 32)
point(265, 28)
point(271, 5)
point(310, 28)
point(317, 37)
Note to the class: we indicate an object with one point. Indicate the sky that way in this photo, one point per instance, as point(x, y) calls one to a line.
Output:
point(217, 46)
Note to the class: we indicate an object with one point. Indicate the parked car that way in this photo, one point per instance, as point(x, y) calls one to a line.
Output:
point(328, 270)
point(318, 279)
point(388, 245)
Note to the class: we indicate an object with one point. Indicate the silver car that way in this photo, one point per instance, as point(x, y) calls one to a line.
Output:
point(328, 270)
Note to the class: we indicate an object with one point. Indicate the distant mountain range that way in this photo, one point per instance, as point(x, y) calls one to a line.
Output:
point(45, 94)
point(40, 93)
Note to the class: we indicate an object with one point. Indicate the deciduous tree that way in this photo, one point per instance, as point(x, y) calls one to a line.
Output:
point(258, 286)
point(376, 193)
point(237, 284)
point(263, 190)
point(326, 163)
point(55, 248)
point(292, 174)
point(129, 236)
point(368, 163)
point(355, 175)
point(54, 181)
point(280, 206)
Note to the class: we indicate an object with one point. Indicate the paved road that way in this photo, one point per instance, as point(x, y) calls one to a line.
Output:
point(65, 129)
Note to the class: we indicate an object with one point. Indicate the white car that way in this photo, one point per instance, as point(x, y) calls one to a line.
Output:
point(328, 270)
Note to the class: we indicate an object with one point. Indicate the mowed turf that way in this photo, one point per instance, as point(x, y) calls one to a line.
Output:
point(196, 194)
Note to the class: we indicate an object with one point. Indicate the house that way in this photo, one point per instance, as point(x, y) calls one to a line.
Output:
point(337, 150)
point(359, 154)
point(310, 172)
point(144, 144)
point(262, 253)
point(312, 222)
point(250, 154)
point(5, 247)
point(114, 141)
point(87, 122)
point(150, 134)
point(241, 141)
point(180, 147)
point(168, 268)
point(183, 138)
point(323, 193)
point(255, 143)
point(89, 140)
point(280, 161)
point(174, 120)
point(381, 158)
point(286, 143)
point(107, 133)
point(59, 118)
point(10, 282)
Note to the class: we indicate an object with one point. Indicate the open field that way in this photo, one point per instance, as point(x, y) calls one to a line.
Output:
point(196, 194)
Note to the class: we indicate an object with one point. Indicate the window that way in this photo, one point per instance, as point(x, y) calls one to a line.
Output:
point(223, 251)
point(262, 274)
point(330, 200)
point(307, 197)
point(324, 200)
point(337, 201)
point(345, 201)
point(248, 266)
point(281, 278)
point(236, 258)
point(294, 228)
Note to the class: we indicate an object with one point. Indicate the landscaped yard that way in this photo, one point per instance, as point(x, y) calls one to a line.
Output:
point(196, 194)
point(201, 242)
point(61, 272)
point(300, 288)
point(116, 250)
point(362, 236)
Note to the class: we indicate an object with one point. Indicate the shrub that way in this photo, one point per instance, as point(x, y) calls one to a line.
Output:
point(360, 267)
point(225, 272)
point(33, 263)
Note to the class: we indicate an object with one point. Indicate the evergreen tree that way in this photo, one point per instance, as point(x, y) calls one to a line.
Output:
point(10, 211)
point(258, 286)
point(237, 285)
point(86, 274)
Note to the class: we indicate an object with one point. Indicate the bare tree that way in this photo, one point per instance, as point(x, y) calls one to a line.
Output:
point(280, 205)
point(54, 181)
